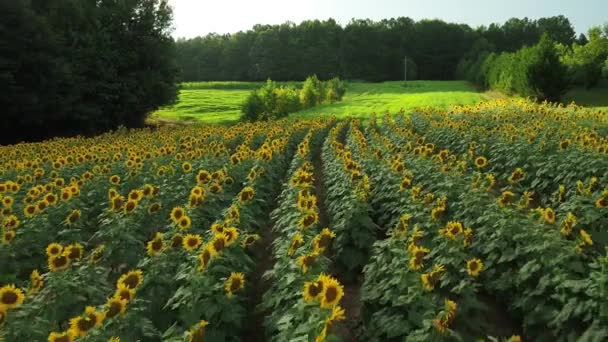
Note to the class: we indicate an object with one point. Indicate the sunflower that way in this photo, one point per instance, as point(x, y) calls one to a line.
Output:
point(185, 222)
point(437, 212)
point(124, 292)
point(187, 167)
point(51, 199)
point(197, 333)
point(440, 325)
point(234, 283)
point(218, 243)
point(332, 293)
point(232, 234)
point(11, 222)
point(73, 217)
point(405, 183)
point(601, 202)
point(177, 214)
point(74, 251)
point(155, 246)
point(586, 237)
point(115, 306)
point(452, 229)
point(306, 261)
point(481, 162)
point(506, 198)
point(250, 239)
point(468, 237)
point(308, 220)
point(66, 336)
point(474, 267)
point(97, 253)
point(564, 144)
point(204, 257)
point(324, 239)
point(203, 177)
point(29, 210)
point(8, 236)
point(415, 264)
point(296, 242)
point(135, 195)
point(154, 208)
point(8, 201)
point(11, 297)
point(117, 202)
point(517, 175)
point(115, 180)
point(549, 215)
point(337, 314)
point(130, 206)
point(81, 325)
point(131, 279)
point(312, 290)
point(191, 242)
point(246, 194)
point(234, 213)
point(114, 339)
point(215, 188)
point(36, 281)
point(58, 262)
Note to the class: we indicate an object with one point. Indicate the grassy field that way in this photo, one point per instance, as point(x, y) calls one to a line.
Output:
point(596, 97)
point(219, 102)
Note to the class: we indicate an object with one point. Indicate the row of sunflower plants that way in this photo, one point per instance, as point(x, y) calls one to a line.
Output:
point(347, 191)
point(544, 292)
point(71, 288)
point(421, 282)
point(214, 282)
point(302, 301)
point(551, 152)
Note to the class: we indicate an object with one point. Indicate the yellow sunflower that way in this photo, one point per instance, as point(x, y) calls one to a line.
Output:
point(177, 214)
point(74, 251)
point(306, 261)
point(308, 220)
point(131, 279)
point(115, 180)
point(586, 237)
point(8, 236)
point(185, 223)
point(218, 243)
point(66, 336)
point(601, 202)
point(155, 246)
point(115, 306)
point(549, 215)
point(81, 325)
point(246, 194)
point(11, 296)
point(332, 293)
point(29, 210)
point(58, 262)
point(154, 208)
point(235, 283)
point(177, 240)
point(187, 167)
point(232, 234)
point(205, 256)
point(312, 290)
point(124, 292)
point(481, 162)
point(474, 267)
point(73, 217)
point(36, 281)
point(197, 333)
point(250, 239)
point(191, 242)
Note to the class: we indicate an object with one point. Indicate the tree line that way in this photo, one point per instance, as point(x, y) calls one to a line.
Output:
point(83, 66)
point(545, 70)
point(361, 50)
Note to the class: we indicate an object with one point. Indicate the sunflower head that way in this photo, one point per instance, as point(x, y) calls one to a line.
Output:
point(177, 240)
point(312, 290)
point(191, 242)
point(66, 336)
point(11, 296)
point(235, 282)
point(155, 245)
point(197, 332)
point(81, 325)
point(332, 293)
point(474, 267)
point(124, 293)
point(8, 236)
point(549, 216)
point(131, 279)
point(204, 257)
point(481, 162)
point(58, 262)
point(74, 252)
point(115, 306)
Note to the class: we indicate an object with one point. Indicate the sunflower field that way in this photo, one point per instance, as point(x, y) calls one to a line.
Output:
point(481, 223)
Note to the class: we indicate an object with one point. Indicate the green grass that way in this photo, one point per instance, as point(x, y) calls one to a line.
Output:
point(596, 97)
point(362, 99)
point(219, 102)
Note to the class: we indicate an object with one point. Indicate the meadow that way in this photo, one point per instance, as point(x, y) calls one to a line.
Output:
point(219, 102)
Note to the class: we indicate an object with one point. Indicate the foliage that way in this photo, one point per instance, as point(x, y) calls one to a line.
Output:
point(273, 101)
point(83, 67)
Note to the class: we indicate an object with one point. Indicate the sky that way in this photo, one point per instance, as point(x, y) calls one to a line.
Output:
point(200, 17)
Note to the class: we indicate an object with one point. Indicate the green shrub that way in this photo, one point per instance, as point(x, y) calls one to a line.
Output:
point(274, 101)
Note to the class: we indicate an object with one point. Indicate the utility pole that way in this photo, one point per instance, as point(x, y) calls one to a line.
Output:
point(405, 68)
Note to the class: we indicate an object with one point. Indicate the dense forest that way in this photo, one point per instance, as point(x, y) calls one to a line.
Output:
point(83, 66)
point(362, 50)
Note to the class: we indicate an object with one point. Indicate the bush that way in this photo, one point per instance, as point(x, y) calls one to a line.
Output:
point(545, 73)
point(273, 101)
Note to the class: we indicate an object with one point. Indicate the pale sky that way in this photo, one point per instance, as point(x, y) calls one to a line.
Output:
point(199, 17)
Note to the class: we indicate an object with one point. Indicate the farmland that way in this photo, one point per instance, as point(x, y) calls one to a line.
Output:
point(466, 222)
